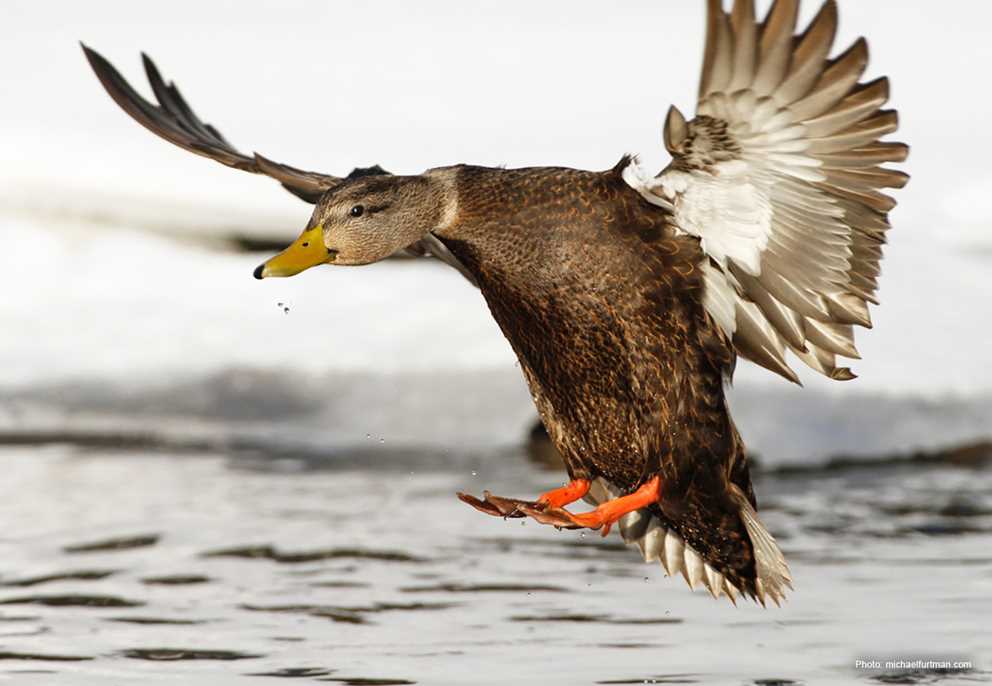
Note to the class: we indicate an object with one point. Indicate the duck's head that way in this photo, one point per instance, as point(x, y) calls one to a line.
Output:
point(361, 221)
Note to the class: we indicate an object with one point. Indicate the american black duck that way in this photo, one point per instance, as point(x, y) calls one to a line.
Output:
point(628, 297)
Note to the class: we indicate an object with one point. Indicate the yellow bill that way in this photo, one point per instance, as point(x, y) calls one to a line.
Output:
point(306, 251)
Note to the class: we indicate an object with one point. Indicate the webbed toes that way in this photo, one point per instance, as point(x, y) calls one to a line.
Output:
point(552, 516)
point(539, 511)
point(498, 506)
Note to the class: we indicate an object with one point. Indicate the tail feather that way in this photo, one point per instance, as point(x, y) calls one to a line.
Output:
point(658, 543)
point(771, 569)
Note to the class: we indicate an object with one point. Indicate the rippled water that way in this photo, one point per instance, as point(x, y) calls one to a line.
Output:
point(138, 566)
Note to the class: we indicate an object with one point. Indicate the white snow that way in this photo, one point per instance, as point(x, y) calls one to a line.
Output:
point(107, 277)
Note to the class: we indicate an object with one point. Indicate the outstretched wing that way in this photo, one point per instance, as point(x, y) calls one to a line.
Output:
point(174, 120)
point(779, 176)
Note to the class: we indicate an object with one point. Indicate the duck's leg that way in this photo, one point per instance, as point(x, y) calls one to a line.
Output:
point(566, 495)
point(604, 516)
point(511, 507)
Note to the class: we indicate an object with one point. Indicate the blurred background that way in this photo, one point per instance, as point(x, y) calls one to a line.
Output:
point(153, 392)
point(133, 304)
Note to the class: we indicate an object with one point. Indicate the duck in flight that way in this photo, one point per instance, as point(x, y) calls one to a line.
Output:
point(629, 297)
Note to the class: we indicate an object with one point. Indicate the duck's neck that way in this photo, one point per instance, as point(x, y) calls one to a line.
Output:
point(443, 183)
point(507, 225)
point(472, 217)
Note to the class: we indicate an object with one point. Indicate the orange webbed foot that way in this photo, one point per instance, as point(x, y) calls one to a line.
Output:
point(547, 510)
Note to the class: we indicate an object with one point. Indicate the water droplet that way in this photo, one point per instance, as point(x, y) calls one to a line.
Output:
point(382, 440)
point(582, 534)
point(285, 310)
point(368, 435)
point(279, 304)
point(646, 579)
point(475, 473)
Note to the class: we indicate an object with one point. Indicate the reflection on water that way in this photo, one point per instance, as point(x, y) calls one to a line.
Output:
point(170, 654)
point(121, 543)
point(132, 566)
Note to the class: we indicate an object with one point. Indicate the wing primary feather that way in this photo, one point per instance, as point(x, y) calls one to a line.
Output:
point(142, 111)
point(863, 287)
point(714, 14)
point(874, 177)
point(756, 342)
point(745, 32)
point(873, 199)
point(835, 338)
point(867, 131)
point(172, 101)
point(791, 295)
point(723, 63)
point(859, 104)
point(786, 322)
point(779, 25)
point(870, 155)
point(776, 47)
point(865, 220)
point(811, 54)
point(821, 361)
point(848, 309)
point(175, 121)
point(835, 82)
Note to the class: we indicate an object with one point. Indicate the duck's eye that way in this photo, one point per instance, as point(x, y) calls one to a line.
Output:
point(357, 211)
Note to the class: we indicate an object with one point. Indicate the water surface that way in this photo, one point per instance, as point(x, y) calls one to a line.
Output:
point(141, 565)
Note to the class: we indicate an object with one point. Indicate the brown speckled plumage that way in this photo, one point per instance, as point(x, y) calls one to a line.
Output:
point(602, 303)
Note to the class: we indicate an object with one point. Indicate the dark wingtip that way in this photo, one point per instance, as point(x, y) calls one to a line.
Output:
point(151, 69)
point(92, 56)
point(258, 271)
